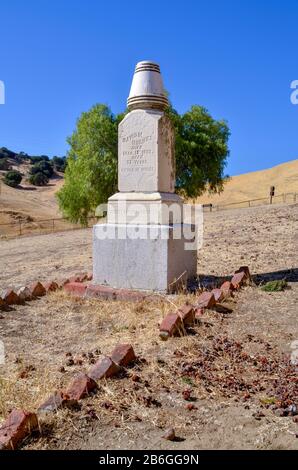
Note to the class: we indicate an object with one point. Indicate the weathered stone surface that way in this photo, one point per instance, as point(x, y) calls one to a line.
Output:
point(104, 368)
point(37, 289)
point(206, 300)
point(18, 425)
point(145, 237)
point(123, 355)
point(80, 387)
point(24, 294)
point(187, 314)
point(120, 253)
point(146, 152)
point(171, 325)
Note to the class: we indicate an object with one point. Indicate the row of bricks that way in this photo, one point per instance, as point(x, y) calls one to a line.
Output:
point(174, 323)
point(20, 423)
point(36, 289)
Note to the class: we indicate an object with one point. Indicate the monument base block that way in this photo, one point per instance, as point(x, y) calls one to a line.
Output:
point(143, 257)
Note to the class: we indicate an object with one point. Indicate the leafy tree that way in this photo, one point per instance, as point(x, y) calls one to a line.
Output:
point(44, 167)
point(13, 178)
point(59, 163)
point(91, 173)
point(39, 179)
point(201, 150)
point(38, 158)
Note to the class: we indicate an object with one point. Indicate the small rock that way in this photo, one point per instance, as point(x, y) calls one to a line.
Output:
point(169, 435)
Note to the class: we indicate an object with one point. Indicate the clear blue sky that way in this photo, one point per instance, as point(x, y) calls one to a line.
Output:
point(237, 58)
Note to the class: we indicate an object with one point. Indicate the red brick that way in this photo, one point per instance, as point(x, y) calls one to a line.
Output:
point(109, 293)
point(104, 292)
point(2, 303)
point(75, 288)
point(51, 286)
point(10, 297)
point(206, 300)
point(81, 386)
point(104, 368)
point(244, 269)
point(18, 425)
point(37, 289)
point(171, 326)
point(54, 402)
point(187, 314)
point(227, 289)
point(238, 280)
point(123, 354)
point(199, 312)
point(218, 295)
point(89, 276)
point(24, 294)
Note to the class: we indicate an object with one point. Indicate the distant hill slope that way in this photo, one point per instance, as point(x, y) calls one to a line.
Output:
point(257, 184)
point(40, 202)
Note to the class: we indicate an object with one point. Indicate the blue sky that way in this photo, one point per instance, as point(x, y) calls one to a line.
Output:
point(236, 58)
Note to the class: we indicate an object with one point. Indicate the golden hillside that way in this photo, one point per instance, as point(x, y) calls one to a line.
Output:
point(28, 201)
point(257, 184)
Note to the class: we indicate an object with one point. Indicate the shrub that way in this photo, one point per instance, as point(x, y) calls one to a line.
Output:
point(4, 164)
point(13, 178)
point(44, 167)
point(39, 179)
point(275, 286)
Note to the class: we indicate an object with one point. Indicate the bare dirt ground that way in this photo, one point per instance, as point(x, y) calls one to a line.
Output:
point(231, 367)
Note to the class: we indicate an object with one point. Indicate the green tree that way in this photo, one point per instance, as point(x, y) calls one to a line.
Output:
point(201, 149)
point(44, 167)
point(91, 172)
point(39, 179)
point(59, 163)
point(13, 178)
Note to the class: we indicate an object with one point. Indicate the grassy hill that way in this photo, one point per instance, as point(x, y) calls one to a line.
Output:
point(257, 184)
point(30, 202)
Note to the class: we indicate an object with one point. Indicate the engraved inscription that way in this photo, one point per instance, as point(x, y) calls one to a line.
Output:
point(137, 153)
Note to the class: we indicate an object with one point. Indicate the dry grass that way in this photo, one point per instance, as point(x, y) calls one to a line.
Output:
point(257, 184)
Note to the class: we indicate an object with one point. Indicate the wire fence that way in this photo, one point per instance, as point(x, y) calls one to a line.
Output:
point(22, 227)
point(284, 198)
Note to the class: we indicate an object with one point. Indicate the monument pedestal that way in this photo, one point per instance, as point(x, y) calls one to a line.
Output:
point(145, 245)
point(143, 257)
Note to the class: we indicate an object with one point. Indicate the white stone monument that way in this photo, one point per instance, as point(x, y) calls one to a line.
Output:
point(144, 244)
